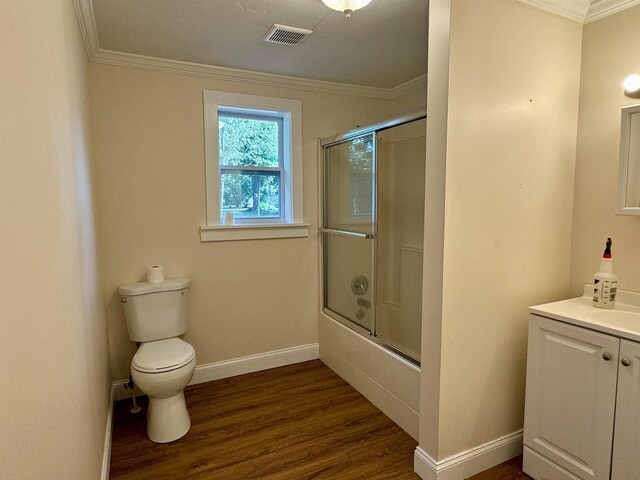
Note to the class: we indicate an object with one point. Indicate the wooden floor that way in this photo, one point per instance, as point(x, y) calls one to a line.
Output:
point(296, 422)
point(511, 470)
point(290, 423)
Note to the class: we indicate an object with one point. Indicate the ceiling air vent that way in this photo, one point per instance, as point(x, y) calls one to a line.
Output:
point(287, 35)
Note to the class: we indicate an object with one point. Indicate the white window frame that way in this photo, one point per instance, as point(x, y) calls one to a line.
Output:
point(290, 224)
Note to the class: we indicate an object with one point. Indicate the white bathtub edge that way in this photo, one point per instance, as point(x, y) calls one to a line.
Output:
point(357, 361)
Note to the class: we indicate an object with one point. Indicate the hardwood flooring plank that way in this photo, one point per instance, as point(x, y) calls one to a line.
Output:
point(300, 422)
point(509, 470)
point(290, 423)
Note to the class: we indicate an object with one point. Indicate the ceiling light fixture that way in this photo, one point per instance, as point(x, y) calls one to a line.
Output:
point(346, 6)
point(632, 86)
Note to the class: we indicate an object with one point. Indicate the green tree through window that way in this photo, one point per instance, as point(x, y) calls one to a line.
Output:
point(250, 165)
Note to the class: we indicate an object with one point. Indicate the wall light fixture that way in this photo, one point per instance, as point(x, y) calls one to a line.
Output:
point(632, 86)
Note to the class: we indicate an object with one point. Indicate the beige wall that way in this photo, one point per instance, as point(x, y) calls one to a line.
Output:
point(247, 297)
point(512, 113)
point(417, 97)
point(434, 209)
point(609, 54)
point(53, 340)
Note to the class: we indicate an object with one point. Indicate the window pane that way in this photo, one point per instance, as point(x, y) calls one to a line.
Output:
point(251, 194)
point(360, 194)
point(360, 175)
point(361, 154)
point(249, 141)
point(349, 185)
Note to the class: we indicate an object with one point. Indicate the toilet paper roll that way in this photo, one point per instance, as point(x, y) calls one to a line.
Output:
point(228, 218)
point(155, 274)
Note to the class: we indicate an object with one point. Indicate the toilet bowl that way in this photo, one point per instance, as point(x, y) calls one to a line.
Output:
point(162, 369)
point(156, 315)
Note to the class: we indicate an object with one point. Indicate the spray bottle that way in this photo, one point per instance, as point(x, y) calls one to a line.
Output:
point(605, 284)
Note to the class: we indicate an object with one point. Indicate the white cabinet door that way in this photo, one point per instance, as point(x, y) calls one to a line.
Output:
point(626, 446)
point(571, 394)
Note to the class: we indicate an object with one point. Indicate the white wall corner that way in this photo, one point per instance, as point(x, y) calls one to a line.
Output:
point(465, 464)
point(108, 437)
point(575, 10)
point(424, 465)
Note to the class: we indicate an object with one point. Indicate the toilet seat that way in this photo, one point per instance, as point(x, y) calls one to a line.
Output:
point(162, 355)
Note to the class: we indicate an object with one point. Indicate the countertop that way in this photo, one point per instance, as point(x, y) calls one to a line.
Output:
point(621, 321)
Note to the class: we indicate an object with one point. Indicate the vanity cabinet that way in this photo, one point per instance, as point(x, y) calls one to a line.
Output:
point(582, 404)
point(626, 446)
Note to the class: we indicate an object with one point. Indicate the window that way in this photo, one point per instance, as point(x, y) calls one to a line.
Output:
point(349, 179)
point(251, 165)
point(360, 193)
point(253, 153)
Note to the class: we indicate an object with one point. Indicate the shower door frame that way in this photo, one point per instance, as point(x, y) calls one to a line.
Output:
point(323, 144)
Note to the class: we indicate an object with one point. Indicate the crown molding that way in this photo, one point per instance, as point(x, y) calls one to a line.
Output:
point(604, 8)
point(575, 10)
point(87, 24)
point(110, 57)
point(582, 11)
point(95, 54)
point(417, 83)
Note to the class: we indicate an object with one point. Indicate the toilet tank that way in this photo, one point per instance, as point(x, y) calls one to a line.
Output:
point(154, 311)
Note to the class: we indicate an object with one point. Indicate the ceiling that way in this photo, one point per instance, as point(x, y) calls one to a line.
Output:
point(383, 45)
point(381, 51)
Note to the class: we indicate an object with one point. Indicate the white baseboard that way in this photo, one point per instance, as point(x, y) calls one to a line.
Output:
point(465, 464)
point(209, 372)
point(108, 436)
point(254, 363)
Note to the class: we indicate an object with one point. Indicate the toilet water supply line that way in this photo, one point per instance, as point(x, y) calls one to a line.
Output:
point(130, 386)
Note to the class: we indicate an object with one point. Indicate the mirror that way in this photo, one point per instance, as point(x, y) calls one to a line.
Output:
point(629, 172)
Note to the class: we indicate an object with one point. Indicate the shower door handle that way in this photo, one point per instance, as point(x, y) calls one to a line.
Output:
point(346, 232)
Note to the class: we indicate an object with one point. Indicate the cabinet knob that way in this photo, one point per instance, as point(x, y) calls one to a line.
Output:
point(626, 362)
point(606, 356)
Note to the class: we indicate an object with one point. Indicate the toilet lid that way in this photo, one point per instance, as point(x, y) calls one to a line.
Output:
point(162, 355)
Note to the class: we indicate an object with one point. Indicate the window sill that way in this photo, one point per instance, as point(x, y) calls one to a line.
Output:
point(223, 233)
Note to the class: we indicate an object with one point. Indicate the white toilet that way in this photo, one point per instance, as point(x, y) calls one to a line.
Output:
point(156, 313)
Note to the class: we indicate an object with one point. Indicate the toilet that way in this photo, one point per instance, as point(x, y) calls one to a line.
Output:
point(156, 314)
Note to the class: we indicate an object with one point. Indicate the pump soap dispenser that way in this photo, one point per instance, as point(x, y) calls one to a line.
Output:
point(605, 284)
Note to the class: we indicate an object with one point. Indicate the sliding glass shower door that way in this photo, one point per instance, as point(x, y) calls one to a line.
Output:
point(349, 229)
point(372, 232)
point(400, 164)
